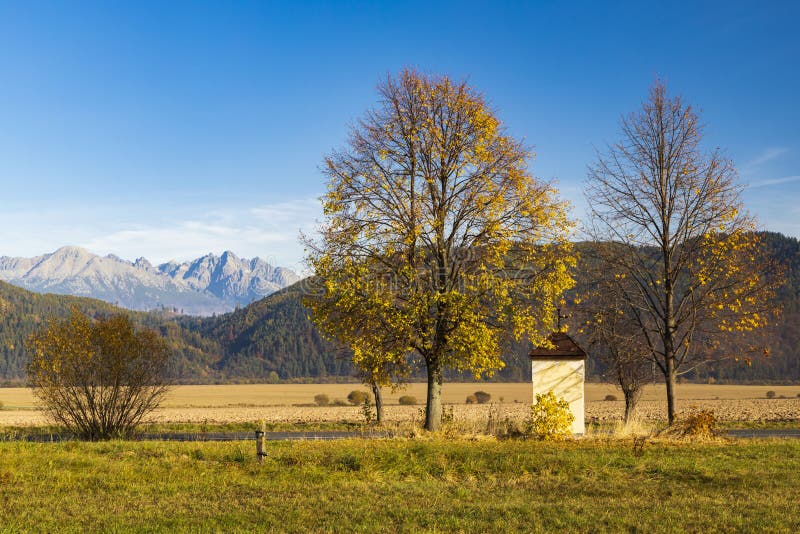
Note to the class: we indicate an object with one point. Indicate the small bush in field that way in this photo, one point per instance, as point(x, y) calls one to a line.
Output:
point(322, 399)
point(407, 400)
point(770, 394)
point(610, 398)
point(340, 402)
point(698, 423)
point(357, 397)
point(98, 377)
point(472, 399)
point(551, 418)
point(482, 397)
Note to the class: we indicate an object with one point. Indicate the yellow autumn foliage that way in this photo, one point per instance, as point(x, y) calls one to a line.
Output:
point(437, 241)
point(551, 418)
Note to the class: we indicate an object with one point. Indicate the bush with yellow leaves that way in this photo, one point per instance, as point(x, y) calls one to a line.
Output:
point(551, 418)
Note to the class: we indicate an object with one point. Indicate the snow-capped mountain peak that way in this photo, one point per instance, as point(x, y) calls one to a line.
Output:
point(202, 286)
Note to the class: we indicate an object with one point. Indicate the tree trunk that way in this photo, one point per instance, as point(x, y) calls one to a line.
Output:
point(631, 400)
point(376, 392)
point(669, 377)
point(629, 407)
point(433, 408)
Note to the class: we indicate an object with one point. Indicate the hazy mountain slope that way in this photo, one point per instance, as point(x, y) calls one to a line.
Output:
point(204, 286)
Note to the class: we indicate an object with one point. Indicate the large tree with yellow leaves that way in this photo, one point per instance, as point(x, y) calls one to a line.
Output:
point(682, 252)
point(437, 242)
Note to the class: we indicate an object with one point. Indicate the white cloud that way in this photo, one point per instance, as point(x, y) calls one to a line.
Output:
point(285, 212)
point(766, 155)
point(776, 208)
point(773, 181)
point(269, 231)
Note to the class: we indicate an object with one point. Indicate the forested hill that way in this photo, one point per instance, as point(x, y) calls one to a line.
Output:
point(22, 312)
point(273, 335)
point(784, 362)
point(274, 339)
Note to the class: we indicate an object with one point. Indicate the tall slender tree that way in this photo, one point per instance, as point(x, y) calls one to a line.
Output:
point(436, 240)
point(690, 267)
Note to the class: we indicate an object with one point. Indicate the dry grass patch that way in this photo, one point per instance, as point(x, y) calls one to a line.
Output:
point(278, 403)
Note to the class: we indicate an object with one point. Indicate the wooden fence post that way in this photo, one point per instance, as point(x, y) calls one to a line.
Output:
point(260, 452)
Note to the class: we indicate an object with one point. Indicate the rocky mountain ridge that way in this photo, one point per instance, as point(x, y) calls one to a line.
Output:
point(204, 286)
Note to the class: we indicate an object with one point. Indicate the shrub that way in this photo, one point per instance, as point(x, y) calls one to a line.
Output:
point(357, 397)
point(322, 399)
point(482, 397)
point(698, 423)
point(610, 398)
point(471, 399)
point(340, 402)
point(551, 418)
point(770, 394)
point(98, 378)
point(408, 400)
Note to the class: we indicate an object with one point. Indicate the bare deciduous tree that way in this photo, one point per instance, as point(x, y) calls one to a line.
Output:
point(693, 269)
point(616, 340)
point(97, 378)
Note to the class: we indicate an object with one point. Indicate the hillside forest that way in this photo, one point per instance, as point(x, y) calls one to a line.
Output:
point(274, 340)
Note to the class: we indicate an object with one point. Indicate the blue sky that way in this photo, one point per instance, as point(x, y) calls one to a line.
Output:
point(170, 129)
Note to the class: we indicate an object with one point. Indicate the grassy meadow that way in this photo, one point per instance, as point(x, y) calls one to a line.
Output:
point(401, 485)
point(461, 481)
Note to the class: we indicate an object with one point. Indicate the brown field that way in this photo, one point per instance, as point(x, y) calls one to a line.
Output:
point(279, 403)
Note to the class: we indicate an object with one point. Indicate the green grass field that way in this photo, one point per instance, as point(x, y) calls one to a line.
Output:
point(401, 485)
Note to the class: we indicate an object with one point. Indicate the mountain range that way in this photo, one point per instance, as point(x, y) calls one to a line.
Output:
point(274, 338)
point(207, 285)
